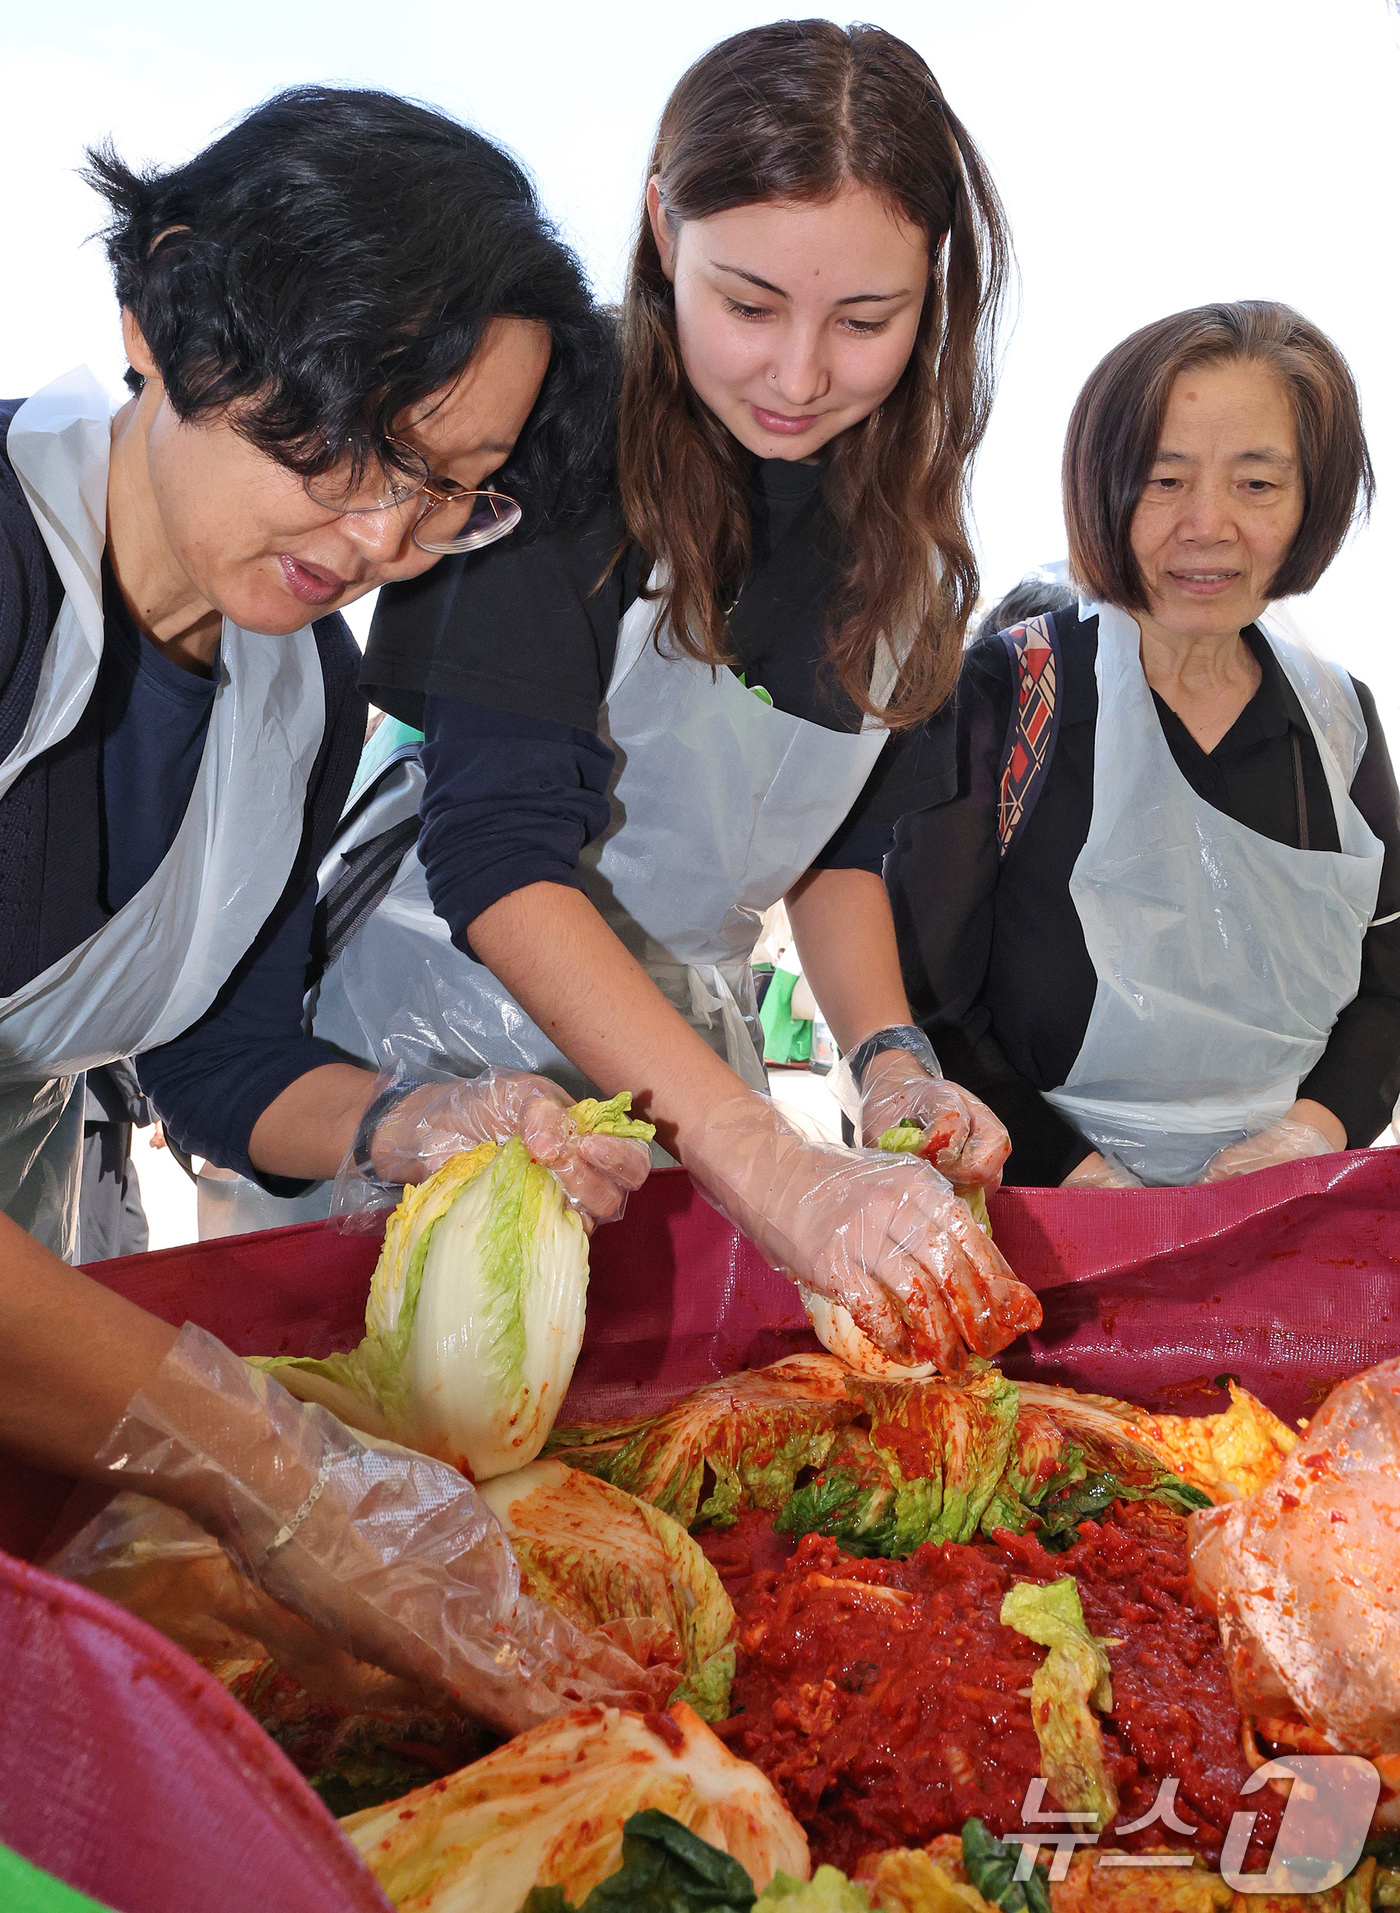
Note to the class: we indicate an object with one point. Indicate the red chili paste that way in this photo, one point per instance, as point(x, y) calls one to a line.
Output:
point(888, 1703)
point(738, 1553)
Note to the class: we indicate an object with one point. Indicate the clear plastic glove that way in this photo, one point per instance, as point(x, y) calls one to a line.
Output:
point(1284, 1141)
point(883, 1236)
point(415, 1125)
point(963, 1139)
point(391, 1556)
point(163, 1567)
point(1304, 1576)
point(1100, 1172)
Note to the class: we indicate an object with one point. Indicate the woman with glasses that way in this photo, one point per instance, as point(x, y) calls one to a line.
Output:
point(179, 714)
point(724, 687)
point(343, 319)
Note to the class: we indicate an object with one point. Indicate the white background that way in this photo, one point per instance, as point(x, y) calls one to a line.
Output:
point(1152, 156)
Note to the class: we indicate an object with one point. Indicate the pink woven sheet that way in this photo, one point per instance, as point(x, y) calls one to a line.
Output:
point(128, 1772)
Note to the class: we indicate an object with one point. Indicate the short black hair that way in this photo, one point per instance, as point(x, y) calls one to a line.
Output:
point(335, 259)
point(1116, 426)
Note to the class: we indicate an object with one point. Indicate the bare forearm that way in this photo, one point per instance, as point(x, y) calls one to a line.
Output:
point(845, 937)
point(562, 963)
point(73, 1356)
point(1317, 1116)
point(308, 1130)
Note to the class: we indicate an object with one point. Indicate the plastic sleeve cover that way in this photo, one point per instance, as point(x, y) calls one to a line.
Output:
point(390, 1555)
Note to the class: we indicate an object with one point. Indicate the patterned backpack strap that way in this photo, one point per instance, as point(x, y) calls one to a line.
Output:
point(1035, 723)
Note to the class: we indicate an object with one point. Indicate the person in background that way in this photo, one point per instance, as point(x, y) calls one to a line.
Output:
point(1034, 596)
point(293, 438)
point(723, 689)
point(1158, 928)
point(111, 1219)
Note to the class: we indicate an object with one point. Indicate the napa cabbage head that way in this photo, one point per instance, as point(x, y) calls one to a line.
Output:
point(476, 1310)
point(613, 1564)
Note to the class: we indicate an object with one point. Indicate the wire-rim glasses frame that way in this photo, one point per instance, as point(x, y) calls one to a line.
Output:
point(490, 514)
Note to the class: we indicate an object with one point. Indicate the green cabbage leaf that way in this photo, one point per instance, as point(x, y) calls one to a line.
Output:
point(665, 1869)
point(991, 1865)
point(928, 1469)
point(851, 1497)
point(934, 1460)
point(828, 1891)
point(908, 1139)
point(1073, 1679)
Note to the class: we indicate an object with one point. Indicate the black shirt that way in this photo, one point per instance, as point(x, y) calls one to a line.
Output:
point(503, 658)
point(993, 951)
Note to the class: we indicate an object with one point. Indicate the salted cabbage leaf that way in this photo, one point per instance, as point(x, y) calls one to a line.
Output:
point(734, 1444)
point(1073, 1679)
point(611, 1563)
point(548, 1810)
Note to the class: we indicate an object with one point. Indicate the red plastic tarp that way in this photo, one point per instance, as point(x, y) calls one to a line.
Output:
point(1289, 1279)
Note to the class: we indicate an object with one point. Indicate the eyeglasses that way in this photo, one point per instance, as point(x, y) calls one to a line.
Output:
point(450, 519)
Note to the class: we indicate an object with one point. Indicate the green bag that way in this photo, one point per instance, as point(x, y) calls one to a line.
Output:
point(784, 1039)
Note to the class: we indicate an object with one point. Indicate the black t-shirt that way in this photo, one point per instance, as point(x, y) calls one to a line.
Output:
point(993, 950)
point(530, 630)
point(503, 659)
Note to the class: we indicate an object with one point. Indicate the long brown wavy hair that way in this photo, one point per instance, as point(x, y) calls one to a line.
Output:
point(794, 112)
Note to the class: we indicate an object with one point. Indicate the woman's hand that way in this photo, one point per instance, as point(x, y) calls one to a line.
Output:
point(883, 1236)
point(1100, 1172)
point(845, 936)
point(1306, 1129)
point(967, 1144)
point(433, 1121)
point(390, 1555)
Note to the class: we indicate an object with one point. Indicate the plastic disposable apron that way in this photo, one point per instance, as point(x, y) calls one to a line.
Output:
point(1223, 958)
point(719, 803)
point(157, 964)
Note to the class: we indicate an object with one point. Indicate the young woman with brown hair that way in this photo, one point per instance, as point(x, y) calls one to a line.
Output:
point(725, 686)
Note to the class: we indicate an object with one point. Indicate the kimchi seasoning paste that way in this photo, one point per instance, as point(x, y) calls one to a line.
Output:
point(888, 1703)
point(748, 1547)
